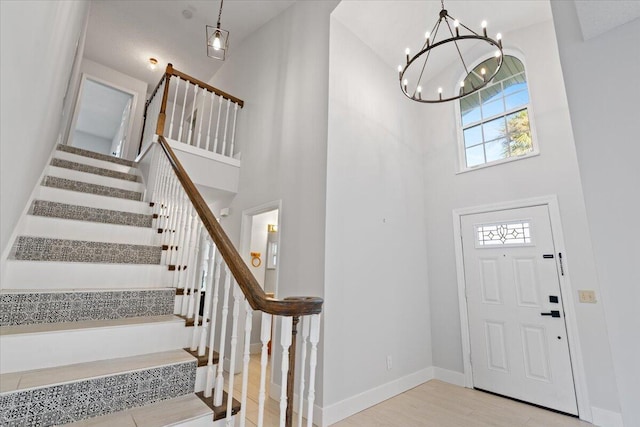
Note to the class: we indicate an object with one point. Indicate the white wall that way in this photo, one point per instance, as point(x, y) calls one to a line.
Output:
point(599, 75)
point(39, 40)
point(129, 84)
point(377, 301)
point(91, 142)
point(554, 171)
point(281, 72)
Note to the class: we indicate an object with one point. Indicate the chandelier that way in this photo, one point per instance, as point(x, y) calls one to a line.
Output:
point(454, 32)
point(217, 39)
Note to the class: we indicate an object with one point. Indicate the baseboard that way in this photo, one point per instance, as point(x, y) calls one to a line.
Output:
point(451, 377)
point(606, 418)
point(338, 411)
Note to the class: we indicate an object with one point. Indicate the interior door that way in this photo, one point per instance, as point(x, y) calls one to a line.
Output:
point(518, 336)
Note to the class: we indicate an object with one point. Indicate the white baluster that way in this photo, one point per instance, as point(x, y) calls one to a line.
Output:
point(286, 328)
point(248, 323)
point(217, 398)
point(226, 125)
point(212, 333)
point(193, 111)
point(237, 297)
point(233, 130)
point(209, 126)
point(188, 262)
point(265, 337)
point(200, 276)
point(173, 109)
point(204, 95)
point(206, 316)
point(303, 361)
point(182, 251)
point(314, 337)
point(215, 141)
point(184, 107)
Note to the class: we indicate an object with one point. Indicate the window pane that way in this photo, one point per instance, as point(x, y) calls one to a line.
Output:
point(471, 116)
point(469, 102)
point(475, 156)
point(494, 129)
point(520, 144)
point(490, 93)
point(514, 84)
point(492, 108)
point(472, 136)
point(517, 100)
point(497, 149)
point(510, 66)
point(518, 122)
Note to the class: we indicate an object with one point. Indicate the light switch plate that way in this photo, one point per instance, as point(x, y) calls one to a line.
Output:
point(588, 297)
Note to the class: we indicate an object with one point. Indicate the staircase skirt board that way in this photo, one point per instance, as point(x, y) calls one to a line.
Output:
point(84, 213)
point(102, 190)
point(54, 307)
point(67, 164)
point(28, 248)
point(75, 401)
point(94, 155)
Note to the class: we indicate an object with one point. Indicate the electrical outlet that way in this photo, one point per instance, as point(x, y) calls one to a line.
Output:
point(389, 363)
point(587, 297)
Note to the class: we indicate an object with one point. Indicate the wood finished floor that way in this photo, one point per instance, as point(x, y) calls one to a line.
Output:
point(432, 404)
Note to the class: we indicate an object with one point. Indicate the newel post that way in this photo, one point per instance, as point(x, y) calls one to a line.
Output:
point(292, 372)
point(165, 96)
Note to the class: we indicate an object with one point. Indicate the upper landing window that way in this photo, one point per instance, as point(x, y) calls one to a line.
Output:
point(495, 120)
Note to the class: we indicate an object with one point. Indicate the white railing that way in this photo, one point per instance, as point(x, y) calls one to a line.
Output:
point(194, 114)
point(204, 264)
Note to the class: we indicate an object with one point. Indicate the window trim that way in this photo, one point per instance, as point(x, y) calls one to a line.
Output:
point(460, 147)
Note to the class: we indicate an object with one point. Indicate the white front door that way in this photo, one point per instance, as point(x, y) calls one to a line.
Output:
point(518, 336)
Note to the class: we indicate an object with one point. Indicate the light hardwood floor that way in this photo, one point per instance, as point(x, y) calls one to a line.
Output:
point(432, 404)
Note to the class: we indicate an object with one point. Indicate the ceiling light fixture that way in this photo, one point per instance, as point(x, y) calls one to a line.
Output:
point(153, 63)
point(418, 63)
point(217, 39)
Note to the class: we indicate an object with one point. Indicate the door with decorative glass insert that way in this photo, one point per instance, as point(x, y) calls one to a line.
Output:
point(517, 331)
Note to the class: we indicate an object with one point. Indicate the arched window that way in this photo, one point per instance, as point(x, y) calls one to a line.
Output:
point(495, 120)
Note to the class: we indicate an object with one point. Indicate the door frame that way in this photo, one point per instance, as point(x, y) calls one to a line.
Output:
point(566, 290)
point(76, 109)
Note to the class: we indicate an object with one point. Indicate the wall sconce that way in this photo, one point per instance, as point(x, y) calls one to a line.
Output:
point(255, 259)
point(272, 228)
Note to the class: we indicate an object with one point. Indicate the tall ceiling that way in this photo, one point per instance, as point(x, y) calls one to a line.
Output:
point(123, 35)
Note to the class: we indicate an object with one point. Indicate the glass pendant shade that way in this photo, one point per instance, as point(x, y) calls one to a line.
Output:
point(217, 42)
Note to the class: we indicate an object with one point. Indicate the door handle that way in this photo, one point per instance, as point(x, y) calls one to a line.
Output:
point(552, 313)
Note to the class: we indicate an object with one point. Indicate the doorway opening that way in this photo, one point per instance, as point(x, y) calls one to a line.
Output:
point(102, 120)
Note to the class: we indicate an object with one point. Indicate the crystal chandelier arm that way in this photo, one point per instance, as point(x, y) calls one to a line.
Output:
point(456, 43)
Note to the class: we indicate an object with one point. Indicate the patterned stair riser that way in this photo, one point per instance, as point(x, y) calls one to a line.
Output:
point(29, 248)
point(68, 184)
point(61, 163)
point(83, 213)
point(94, 155)
point(56, 307)
point(66, 403)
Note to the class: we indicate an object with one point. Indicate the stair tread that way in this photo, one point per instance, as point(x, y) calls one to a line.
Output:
point(63, 290)
point(84, 187)
point(95, 170)
point(94, 155)
point(24, 380)
point(49, 209)
point(164, 413)
point(37, 328)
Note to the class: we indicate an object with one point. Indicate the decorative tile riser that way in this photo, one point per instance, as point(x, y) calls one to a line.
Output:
point(84, 187)
point(29, 248)
point(67, 403)
point(56, 307)
point(84, 213)
point(94, 155)
point(61, 163)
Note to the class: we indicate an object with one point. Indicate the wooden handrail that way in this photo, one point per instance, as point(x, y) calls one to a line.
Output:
point(172, 71)
point(257, 298)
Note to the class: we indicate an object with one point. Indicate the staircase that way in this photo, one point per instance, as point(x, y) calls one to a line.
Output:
point(88, 334)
